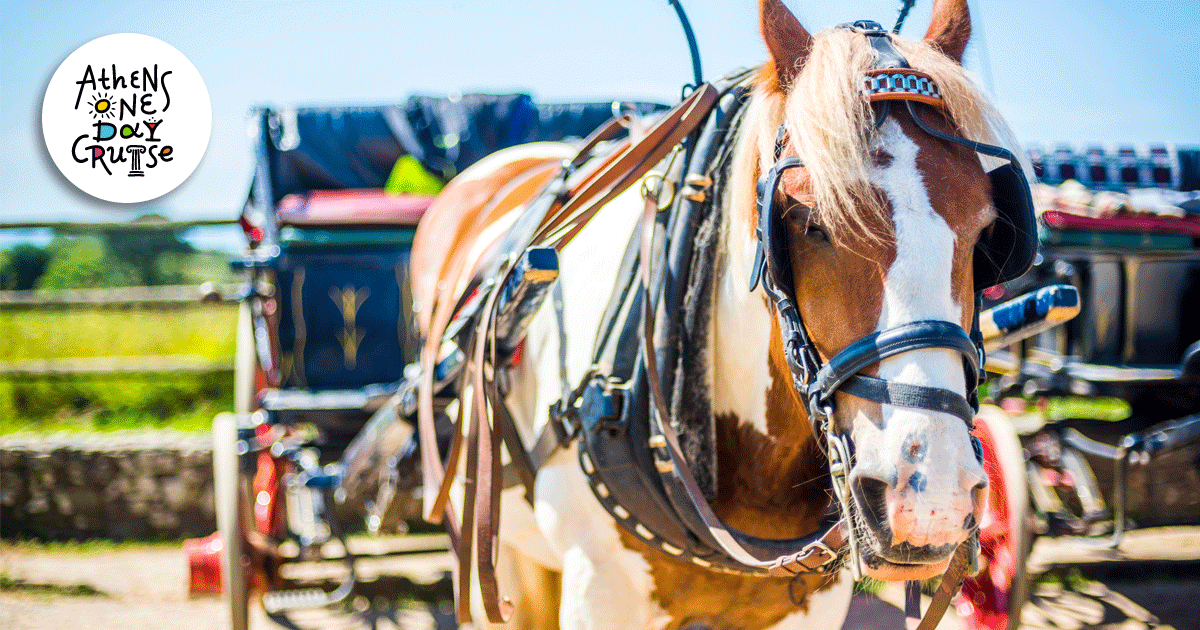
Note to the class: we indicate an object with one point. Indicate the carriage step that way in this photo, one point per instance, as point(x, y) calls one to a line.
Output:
point(275, 602)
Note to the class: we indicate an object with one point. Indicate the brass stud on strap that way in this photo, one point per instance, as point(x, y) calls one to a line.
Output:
point(656, 442)
point(696, 185)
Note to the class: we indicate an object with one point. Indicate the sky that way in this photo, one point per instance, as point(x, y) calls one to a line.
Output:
point(1081, 71)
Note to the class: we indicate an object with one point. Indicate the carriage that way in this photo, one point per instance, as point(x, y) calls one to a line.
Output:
point(1120, 225)
point(325, 330)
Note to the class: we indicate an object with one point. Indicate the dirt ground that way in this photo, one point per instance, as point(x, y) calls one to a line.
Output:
point(146, 588)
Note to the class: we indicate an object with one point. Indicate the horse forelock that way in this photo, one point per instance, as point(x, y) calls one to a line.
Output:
point(832, 128)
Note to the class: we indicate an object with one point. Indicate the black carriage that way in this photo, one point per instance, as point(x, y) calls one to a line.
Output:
point(1097, 428)
point(325, 325)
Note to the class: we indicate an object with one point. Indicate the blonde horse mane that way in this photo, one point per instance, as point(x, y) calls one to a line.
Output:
point(831, 127)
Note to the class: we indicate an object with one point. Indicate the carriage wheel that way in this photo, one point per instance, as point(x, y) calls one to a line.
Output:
point(992, 600)
point(231, 519)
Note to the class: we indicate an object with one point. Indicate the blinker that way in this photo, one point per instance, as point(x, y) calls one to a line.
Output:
point(767, 239)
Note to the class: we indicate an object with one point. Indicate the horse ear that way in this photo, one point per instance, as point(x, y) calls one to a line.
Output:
point(950, 28)
point(787, 41)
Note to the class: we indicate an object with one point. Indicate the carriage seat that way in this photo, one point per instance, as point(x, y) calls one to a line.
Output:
point(344, 312)
point(355, 207)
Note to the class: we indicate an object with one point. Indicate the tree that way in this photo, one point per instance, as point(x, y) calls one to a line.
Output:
point(153, 254)
point(82, 262)
point(21, 266)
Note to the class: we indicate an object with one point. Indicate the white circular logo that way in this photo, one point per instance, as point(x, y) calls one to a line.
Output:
point(126, 118)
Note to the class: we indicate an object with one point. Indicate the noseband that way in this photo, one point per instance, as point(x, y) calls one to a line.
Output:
point(817, 381)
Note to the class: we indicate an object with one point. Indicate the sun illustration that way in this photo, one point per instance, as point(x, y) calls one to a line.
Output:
point(102, 106)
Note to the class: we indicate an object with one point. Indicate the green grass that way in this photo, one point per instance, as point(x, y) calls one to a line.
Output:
point(110, 402)
point(201, 330)
point(197, 419)
point(94, 547)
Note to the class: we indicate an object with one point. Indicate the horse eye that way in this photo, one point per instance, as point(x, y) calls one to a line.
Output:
point(802, 215)
point(795, 211)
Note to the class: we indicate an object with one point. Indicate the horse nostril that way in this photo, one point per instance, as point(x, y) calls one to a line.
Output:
point(870, 487)
point(973, 480)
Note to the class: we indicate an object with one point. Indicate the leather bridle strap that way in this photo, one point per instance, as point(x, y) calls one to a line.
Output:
point(841, 371)
point(952, 581)
point(814, 555)
point(912, 396)
point(890, 342)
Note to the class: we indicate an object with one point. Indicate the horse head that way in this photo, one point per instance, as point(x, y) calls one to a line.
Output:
point(871, 239)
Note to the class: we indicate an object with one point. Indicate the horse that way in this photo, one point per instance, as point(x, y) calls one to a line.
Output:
point(851, 238)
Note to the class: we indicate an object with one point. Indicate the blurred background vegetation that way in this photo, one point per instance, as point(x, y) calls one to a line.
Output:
point(110, 257)
point(54, 399)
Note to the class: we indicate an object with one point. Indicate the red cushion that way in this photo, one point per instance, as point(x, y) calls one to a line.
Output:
point(1123, 223)
point(355, 206)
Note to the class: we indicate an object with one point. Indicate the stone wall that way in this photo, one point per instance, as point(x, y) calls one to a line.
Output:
point(116, 486)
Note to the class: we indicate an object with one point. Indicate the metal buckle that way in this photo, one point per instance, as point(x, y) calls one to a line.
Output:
point(827, 555)
point(565, 422)
point(839, 472)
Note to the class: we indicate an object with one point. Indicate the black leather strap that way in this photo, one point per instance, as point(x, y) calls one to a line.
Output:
point(911, 396)
point(886, 343)
point(766, 239)
point(978, 147)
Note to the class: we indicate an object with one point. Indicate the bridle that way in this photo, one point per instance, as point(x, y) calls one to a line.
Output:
point(817, 382)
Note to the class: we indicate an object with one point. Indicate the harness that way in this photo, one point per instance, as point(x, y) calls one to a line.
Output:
point(627, 411)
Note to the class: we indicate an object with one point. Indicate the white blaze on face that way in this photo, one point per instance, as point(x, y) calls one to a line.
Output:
point(931, 452)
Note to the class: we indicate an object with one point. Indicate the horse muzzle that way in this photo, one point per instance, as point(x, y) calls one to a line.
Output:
point(907, 525)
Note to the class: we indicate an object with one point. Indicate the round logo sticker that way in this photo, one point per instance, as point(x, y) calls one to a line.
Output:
point(126, 118)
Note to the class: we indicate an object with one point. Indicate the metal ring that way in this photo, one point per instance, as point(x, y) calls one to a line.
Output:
point(651, 189)
point(624, 112)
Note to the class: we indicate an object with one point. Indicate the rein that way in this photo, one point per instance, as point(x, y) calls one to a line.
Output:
point(554, 219)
